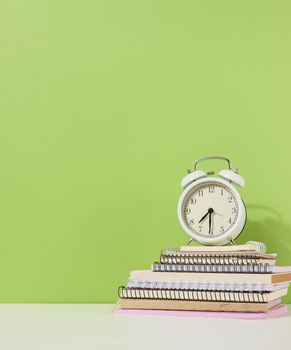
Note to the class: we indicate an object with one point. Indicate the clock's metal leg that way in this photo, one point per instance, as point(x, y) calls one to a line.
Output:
point(231, 241)
point(191, 240)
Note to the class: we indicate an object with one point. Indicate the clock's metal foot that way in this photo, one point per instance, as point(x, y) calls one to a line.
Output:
point(231, 241)
point(191, 240)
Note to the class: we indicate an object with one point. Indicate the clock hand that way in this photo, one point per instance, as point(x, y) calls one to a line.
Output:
point(215, 212)
point(209, 211)
point(210, 224)
point(203, 217)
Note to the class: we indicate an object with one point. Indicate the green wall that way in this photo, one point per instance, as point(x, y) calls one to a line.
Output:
point(104, 105)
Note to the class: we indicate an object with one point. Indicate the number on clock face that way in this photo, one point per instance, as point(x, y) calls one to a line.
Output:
point(210, 210)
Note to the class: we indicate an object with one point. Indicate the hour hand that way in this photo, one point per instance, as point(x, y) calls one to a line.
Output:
point(203, 217)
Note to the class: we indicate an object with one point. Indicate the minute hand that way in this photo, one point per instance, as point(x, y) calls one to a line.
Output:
point(209, 231)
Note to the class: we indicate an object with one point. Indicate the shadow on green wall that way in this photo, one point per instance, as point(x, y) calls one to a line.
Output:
point(271, 230)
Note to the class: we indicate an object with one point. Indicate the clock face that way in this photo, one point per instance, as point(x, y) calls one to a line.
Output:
point(210, 210)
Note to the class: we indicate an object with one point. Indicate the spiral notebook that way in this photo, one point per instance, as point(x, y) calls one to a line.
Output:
point(249, 246)
point(228, 258)
point(274, 312)
point(249, 268)
point(235, 287)
point(196, 295)
point(231, 278)
point(189, 305)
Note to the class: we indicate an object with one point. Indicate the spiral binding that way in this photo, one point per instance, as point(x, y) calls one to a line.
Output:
point(191, 295)
point(204, 286)
point(260, 246)
point(208, 260)
point(259, 268)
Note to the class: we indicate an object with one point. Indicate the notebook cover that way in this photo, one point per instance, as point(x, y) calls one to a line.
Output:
point(210, 277)
point(276, 312)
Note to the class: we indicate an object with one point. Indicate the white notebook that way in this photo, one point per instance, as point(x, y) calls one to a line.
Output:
point(247, 287)
point(249, 246)
point(267, 278)
point(248, 268)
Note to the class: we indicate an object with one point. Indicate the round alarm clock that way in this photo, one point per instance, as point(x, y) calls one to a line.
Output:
point(210, 208)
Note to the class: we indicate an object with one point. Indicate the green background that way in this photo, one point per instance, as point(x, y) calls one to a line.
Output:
point(104, 105)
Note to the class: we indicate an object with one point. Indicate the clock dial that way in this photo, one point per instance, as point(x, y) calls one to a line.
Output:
point(210, 209)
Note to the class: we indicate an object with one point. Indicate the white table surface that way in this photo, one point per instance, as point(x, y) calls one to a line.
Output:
point(94, 326)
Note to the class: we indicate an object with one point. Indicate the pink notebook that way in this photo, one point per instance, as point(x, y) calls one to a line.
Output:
point(281, 310)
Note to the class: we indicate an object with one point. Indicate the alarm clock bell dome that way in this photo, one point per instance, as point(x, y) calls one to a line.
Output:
point(233, 177)
point(193, 176)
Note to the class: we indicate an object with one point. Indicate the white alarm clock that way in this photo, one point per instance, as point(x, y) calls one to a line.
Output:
point(210, 208)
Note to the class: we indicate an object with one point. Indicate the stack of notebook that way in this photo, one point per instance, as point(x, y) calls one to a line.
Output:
point(231, 279)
